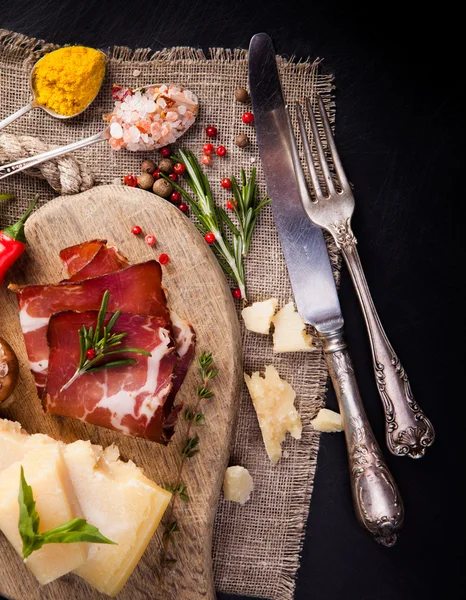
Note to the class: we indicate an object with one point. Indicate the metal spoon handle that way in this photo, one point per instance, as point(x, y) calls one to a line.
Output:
point(27, 163)
point(17, 114)
point(377, 501)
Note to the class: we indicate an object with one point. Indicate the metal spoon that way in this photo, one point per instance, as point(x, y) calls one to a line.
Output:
point(27, 163)
point(36, 104)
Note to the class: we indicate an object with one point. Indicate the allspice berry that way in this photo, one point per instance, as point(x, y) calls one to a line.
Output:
point(148, 166)
point(166, 166)
point(242, 140)
point(145, 181)
point(163, 188)
point(242, 95)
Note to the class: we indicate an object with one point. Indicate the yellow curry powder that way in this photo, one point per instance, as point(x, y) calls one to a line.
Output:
point(66, 80)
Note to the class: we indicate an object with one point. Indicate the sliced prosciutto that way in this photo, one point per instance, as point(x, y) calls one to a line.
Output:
point(87, 262)
point(136, 289)
point(133, 399)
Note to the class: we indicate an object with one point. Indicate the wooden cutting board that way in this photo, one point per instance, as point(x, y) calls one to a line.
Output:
point(197, 291)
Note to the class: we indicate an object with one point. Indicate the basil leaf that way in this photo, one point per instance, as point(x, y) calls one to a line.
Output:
point(77, 530)
point(28, 524)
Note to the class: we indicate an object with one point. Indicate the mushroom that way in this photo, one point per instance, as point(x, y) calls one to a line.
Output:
point(8, 370)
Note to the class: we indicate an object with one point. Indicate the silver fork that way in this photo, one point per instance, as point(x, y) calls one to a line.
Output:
point(408, 431)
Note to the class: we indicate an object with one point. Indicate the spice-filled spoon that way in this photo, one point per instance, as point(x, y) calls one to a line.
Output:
point(143, 119)
point(64, 82)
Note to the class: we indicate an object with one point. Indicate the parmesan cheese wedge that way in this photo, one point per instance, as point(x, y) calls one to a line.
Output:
point(273, 400)
point(45, 471)
point(258, 316)
point(327, 421)
point(237, 484)
point(123, 503)
point(12, 441)
point(290, 331)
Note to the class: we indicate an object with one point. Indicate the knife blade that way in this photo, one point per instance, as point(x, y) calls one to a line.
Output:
point(376, 499)
point(303, 243)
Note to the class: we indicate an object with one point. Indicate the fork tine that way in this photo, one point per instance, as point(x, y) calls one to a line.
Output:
point(308, 154)
point(304, 192)
point(332, 146)
point(320, 150)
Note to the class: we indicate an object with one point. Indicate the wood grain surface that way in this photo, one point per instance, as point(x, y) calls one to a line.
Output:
point(198, 291)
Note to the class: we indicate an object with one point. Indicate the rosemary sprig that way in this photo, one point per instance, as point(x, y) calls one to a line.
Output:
point(231, 249)
point(190, 448)
point(96, 343)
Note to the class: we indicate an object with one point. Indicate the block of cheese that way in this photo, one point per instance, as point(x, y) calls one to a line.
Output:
point(273, 400)
point(290, 331)
point(258, 316)
point(327, 421)
point(46, 472)
point(122, 502)
point(237, 484)
point(15, 443)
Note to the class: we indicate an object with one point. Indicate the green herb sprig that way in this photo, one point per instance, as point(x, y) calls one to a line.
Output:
point(190, 448)
point(102, 343)
point(76, 530)
point(230, 250)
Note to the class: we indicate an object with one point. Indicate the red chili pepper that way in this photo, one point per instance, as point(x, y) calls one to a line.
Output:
point(13, 242)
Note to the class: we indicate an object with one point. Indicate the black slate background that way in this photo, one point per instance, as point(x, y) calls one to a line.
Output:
point(400, 131)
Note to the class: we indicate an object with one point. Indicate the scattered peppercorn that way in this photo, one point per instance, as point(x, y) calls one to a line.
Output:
point(179, 168)
point(211, 131)
point(156, 174)
point(209, 238)
point(166, 166)
point(165, 152)
point(208, 149)
point(163, 188)
point(150, 240)
point(242, 95)
point(247, 117)
point(206, 159)
point(130, 180)
point(164, 259)
point(136, 230)
point(226, 183)
point(148, 166)
point(175, 197)
point(145, 181)
point(91, 354)
point(183, 207)
point(242, 140)
point(231, 204)
point(236, 293)
point(221, 151)
point(173, 176)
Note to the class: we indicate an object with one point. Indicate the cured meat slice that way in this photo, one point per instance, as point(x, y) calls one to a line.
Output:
point(134, 399)
point(136, 289)
point(78, 256)
point(107, 260)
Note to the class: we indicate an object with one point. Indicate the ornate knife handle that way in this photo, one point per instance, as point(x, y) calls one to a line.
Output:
point(408, 431)
point(377, 502)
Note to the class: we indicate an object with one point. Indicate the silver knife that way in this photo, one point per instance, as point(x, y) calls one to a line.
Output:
point(377, 502)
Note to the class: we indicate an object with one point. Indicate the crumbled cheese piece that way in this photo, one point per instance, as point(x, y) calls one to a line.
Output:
point(136, 72)
point(327, 421)
point(123, 503)
point(290, 331)
point(258, 316)
point(273, 400)
point(237, 484)
point(45, 471)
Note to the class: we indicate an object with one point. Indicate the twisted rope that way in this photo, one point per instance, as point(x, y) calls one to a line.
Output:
point(65, 174)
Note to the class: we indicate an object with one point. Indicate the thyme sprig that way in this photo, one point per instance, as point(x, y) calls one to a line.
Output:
point(102, 344)
point(231, 249)
point(190, 447)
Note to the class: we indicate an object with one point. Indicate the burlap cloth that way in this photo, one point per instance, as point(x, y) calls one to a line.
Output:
point(256, 546)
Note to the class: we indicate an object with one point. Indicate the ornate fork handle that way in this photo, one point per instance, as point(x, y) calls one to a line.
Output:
point(376, 498)
point(409, 432)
